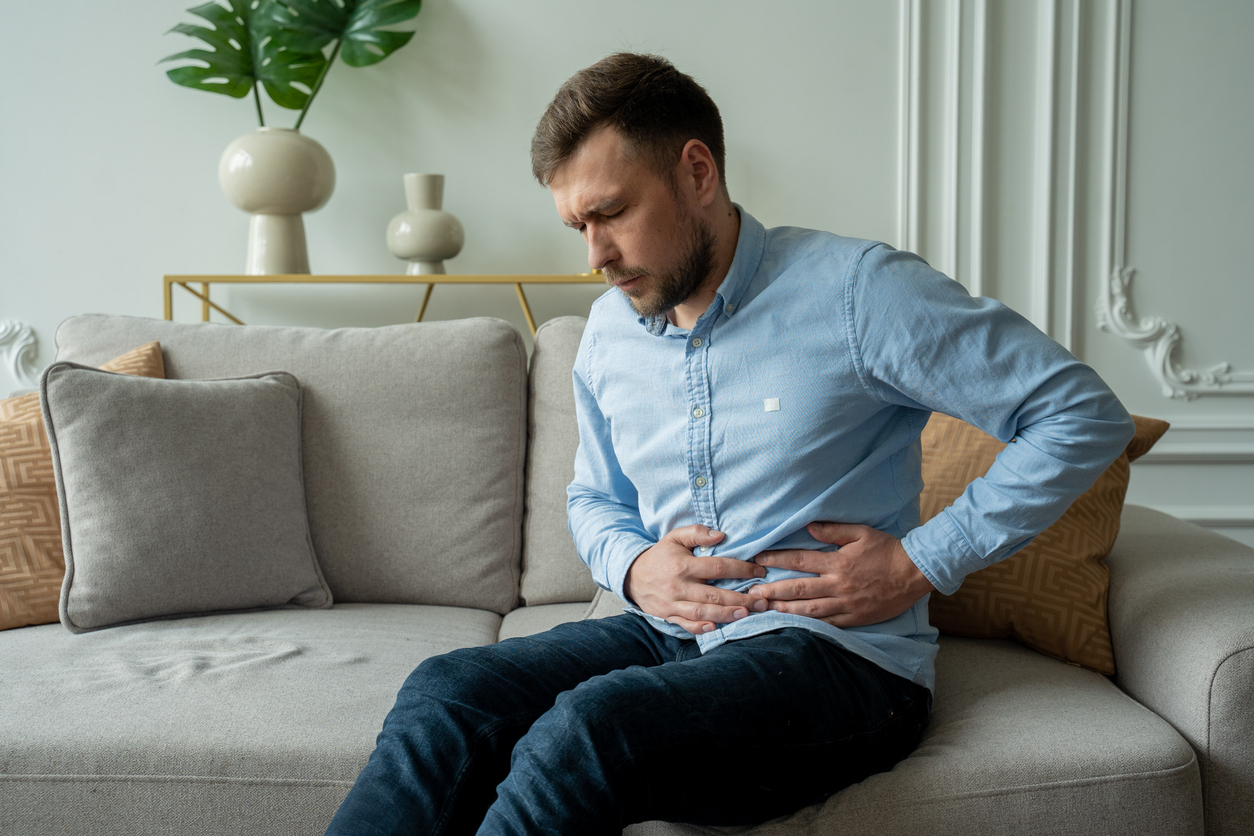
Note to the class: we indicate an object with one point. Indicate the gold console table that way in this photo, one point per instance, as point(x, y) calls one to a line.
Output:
point(430, 280)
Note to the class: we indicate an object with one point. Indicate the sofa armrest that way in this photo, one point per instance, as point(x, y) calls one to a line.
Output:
point(1182, 625)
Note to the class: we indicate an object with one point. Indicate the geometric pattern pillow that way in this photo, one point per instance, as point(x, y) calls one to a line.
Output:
point(32, 563)
point(1051, 595)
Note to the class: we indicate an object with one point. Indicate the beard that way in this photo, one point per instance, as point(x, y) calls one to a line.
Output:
point(659, 292)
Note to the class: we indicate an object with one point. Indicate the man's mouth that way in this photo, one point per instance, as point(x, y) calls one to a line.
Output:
point(626, 284)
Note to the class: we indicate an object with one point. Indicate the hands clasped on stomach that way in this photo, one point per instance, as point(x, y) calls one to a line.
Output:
point(869, 580)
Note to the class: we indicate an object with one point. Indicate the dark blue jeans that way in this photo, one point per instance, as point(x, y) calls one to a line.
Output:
point(597, 724)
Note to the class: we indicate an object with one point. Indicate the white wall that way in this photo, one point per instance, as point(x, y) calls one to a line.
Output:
point(989, 135)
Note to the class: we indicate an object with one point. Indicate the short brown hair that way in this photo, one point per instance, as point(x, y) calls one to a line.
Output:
point(653, 105)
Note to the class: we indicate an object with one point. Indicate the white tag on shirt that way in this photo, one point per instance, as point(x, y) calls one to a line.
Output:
point(771, 404)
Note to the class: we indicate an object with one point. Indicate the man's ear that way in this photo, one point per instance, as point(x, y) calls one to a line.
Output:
point(696, 164)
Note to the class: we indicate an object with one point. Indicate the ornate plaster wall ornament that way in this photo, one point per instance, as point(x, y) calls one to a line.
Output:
point(20, 349)
point(1156, 337)
point(1159, 338)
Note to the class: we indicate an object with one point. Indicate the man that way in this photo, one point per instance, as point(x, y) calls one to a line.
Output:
point(749, 406)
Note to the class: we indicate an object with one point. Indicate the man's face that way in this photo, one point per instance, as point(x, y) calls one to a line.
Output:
point(644, 237)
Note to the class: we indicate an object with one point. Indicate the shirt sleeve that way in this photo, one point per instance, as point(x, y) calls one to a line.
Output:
point(602, 504)
point(920, 341)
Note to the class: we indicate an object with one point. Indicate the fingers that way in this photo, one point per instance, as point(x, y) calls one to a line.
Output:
point(703, 618)
point(828, 609)
point(696, 628)
point(840, 534)
point(692, 536)
point(802, 560)
point(668, 581)
point(713, 568)
point(793, 589)
point(701, 602)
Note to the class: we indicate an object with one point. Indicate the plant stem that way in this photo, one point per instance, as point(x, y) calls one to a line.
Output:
point(257, 99)
point(318, 86)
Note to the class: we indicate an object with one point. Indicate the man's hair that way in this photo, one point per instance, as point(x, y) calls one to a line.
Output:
point(654, 106)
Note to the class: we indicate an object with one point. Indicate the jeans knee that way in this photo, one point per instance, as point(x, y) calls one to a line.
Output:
point(450, 681)
point(588, 724)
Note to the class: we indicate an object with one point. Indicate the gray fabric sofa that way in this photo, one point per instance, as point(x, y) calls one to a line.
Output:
point(435, 468)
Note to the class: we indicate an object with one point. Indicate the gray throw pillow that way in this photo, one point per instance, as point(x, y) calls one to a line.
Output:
point(182, 498)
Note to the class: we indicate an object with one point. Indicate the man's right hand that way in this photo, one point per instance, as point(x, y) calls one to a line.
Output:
point(667, 580)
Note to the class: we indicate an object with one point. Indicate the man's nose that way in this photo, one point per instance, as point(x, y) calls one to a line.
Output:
point(601, 249)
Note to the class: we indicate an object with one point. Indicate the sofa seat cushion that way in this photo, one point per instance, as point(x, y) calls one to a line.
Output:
point(527, 621)
point(1018, 743)
point(243, 723)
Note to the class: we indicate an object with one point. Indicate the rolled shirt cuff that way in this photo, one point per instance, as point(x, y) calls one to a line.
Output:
point(622, 553)
point(942, 554)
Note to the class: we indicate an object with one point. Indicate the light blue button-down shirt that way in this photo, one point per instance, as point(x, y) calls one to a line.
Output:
point(799, 395)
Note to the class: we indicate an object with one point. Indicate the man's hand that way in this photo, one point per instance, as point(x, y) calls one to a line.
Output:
point(669, 581)
point(871, 579)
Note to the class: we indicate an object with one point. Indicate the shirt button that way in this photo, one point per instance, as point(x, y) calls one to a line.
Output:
point(698, 412)
point(700, 481)
point(731, 309)
point(696, 342)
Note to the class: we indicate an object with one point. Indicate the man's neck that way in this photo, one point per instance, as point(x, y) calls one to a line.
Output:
point(726, 228)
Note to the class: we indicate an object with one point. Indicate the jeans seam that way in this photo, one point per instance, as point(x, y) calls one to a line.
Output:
point(476, 743)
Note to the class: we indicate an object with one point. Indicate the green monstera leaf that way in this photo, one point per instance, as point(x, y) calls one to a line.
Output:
point(243, 52)
point(228, 61)
point(280, 45)
point(357, 26)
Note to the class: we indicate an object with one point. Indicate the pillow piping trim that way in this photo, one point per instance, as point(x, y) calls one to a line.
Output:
point(67, 540)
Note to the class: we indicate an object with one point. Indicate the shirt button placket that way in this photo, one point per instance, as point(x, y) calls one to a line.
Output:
point(698, 431)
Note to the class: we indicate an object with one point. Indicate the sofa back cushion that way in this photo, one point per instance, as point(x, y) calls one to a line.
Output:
point(413, 438)
point(552, 571)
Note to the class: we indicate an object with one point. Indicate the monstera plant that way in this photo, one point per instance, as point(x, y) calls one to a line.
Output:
point(282, 45)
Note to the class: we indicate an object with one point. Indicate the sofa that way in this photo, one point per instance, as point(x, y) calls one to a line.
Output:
point(435, 458)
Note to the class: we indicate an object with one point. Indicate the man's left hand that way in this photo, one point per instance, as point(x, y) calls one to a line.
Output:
point(871, 579)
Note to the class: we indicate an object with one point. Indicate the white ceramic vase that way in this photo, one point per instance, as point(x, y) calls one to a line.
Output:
point(276, 174)
point(425, 235)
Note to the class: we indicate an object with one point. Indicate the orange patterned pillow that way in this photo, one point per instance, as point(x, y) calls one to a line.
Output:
point(1051, 596)
point(32, 564)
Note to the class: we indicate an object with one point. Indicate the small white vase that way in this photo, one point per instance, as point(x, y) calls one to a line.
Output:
point(425, 235)
point(276, 174)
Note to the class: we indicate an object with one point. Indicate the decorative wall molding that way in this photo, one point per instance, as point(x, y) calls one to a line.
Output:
point(909, 53)
point(951, 149)
point(1072, 326)
point(1156, 337)
point(1044, 169)
point(1208, 440)
point(941, 32)
point(1212, 423)
point(1199, 453)
point(1159, 339)
point(979, 80)
point(21, 347)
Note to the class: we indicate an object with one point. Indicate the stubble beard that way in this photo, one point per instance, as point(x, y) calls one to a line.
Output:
point(657, 293)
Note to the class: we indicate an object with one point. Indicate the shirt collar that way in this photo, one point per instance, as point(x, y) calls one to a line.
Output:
point(749, 246)
point(745, 263)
